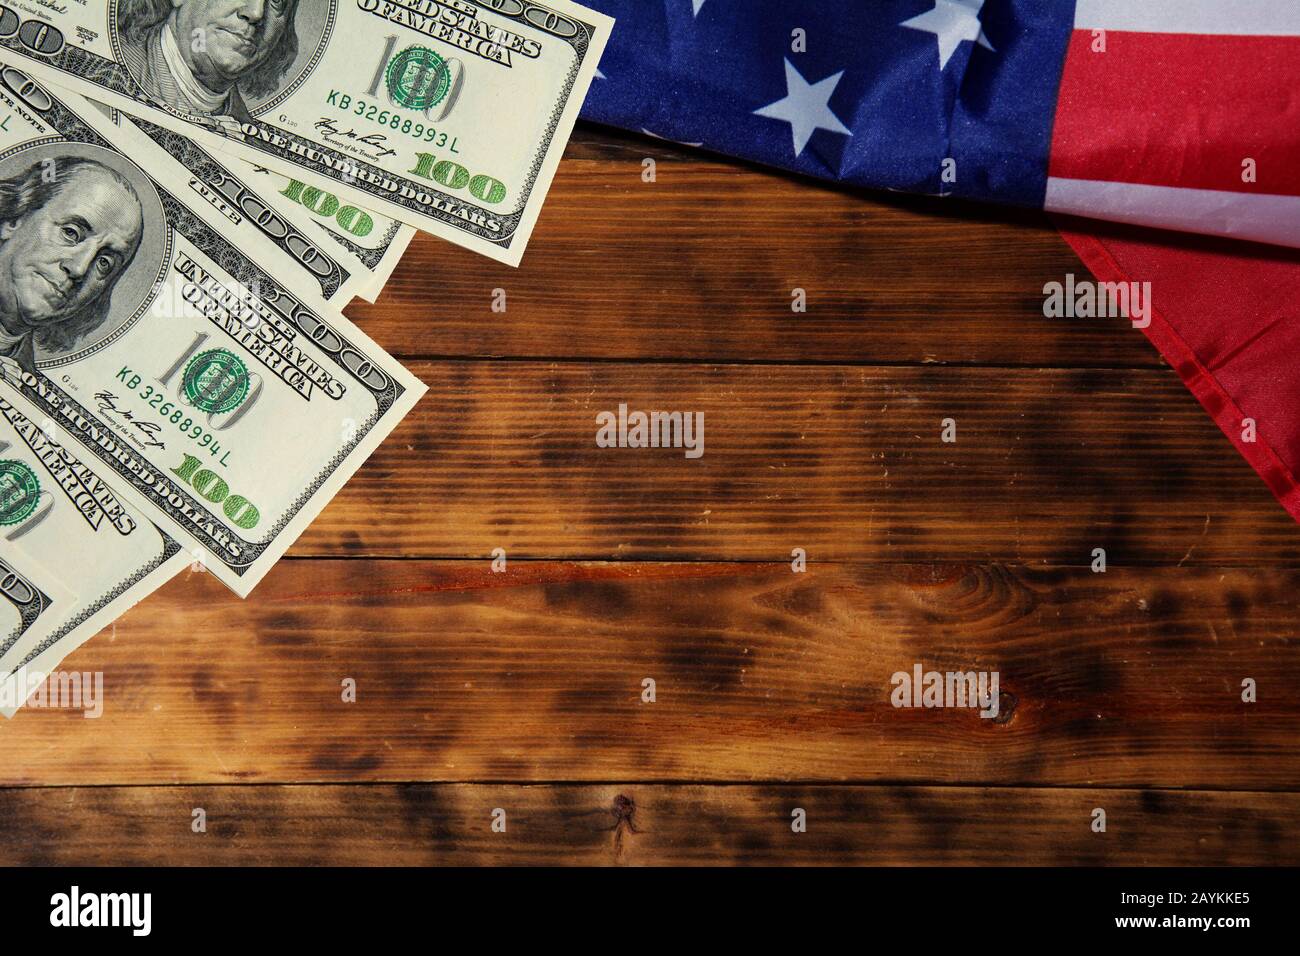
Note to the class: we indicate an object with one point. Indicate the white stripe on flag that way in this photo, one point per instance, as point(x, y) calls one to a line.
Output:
point(1229, 17)
point(1261, 218)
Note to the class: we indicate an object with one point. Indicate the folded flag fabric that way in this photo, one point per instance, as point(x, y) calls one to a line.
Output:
point(1183, 114)
point(1227, 318)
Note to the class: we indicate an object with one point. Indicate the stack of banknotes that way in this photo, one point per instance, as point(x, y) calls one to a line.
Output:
point(190, 191)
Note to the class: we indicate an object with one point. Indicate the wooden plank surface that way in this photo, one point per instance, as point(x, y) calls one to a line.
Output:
point(701, 264)
point(522, 690)
point(847, 463)
point(639, 824)
point(1128, 678)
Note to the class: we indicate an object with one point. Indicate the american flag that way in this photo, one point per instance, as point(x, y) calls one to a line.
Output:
point(1183, 114)
point(1179, 114)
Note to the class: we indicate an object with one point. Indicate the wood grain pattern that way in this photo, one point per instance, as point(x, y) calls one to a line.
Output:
point(639, 824)
point(1129, 678)
point(522, 690)
point(701, 264)
point(846, 463)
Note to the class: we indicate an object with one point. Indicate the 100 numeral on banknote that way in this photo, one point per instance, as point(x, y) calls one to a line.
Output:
point(228, 408)
point(445, 114)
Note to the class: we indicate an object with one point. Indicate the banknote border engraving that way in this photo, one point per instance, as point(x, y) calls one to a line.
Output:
point(40, 389)
point(171, 548)
point(116, 78)
point(201, 163)
point(29, 613)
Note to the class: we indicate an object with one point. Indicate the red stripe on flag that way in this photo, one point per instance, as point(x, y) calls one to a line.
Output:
point(1170, 109)
point(1227, 318)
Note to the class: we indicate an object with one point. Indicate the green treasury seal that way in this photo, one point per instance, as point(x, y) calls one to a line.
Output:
point(418, 78)
point(216, 381)
point(20, 492)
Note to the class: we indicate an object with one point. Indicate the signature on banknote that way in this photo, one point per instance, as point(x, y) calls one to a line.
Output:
point(335, 136)
point(149, 430)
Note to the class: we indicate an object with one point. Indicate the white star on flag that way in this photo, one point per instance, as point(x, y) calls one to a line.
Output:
point(696, 4)
point(951, 22)
point(806, 107)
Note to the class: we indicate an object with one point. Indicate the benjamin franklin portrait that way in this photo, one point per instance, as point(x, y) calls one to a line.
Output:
point(202, 57)
point(69, 228)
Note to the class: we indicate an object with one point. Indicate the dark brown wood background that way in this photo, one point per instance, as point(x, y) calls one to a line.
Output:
point(522, 690)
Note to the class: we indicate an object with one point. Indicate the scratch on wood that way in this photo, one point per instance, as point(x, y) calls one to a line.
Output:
point(1204, 532)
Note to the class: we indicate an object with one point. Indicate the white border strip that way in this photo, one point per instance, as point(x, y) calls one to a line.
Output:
point(1220, 17)
point(1260, 218)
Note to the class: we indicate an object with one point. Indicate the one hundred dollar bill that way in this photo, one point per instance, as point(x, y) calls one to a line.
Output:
point(225, 406)
point(449, 115)
point(62, 510)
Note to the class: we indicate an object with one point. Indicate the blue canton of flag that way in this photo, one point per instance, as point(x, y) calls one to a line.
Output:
point(877, 93)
